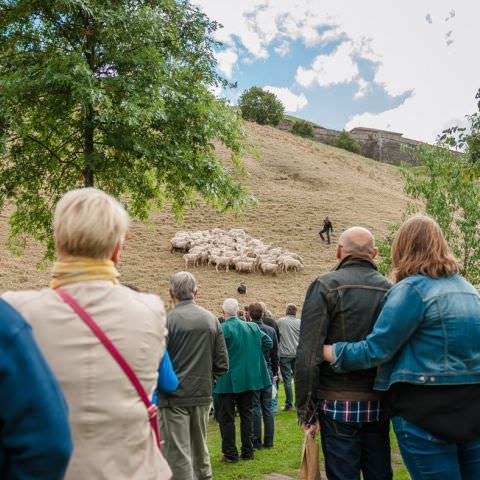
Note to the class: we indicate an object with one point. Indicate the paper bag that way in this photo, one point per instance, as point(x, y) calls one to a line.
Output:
point(310, 466)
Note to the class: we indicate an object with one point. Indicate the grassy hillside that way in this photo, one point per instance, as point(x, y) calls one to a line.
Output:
point(297, 182)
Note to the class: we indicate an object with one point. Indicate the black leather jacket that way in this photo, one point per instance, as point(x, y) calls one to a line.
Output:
point(341, 305)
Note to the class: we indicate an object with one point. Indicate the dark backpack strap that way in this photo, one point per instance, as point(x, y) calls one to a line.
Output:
point(117, 356)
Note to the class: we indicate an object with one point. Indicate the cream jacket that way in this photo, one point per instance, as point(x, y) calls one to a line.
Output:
point(112, 437)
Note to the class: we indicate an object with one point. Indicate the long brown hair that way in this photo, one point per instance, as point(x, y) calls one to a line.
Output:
point(419, 247)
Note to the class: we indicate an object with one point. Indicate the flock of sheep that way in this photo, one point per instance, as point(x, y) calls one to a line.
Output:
point(233, 249)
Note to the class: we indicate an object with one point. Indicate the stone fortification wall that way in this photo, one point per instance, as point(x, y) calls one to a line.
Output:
point(385, 146)
point(323, 135)
point(381, 145)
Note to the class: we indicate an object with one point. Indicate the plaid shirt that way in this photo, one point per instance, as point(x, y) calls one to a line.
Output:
point(354, 411)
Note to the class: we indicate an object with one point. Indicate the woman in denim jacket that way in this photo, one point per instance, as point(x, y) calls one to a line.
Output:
point(426, 344)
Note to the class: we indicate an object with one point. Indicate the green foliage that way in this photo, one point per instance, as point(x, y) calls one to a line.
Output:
point(447, 186)
point(347, 142)
point(116, 94)
point(384, 249)
point(303, 128)
point(465, 139)
point(261, 106)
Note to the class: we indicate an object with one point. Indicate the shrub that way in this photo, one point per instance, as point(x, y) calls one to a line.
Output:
point(303, 128)
point(261, 106)
point(347, 142)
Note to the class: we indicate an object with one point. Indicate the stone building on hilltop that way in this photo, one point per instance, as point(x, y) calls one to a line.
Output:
point(381, 145)
point(385, 146)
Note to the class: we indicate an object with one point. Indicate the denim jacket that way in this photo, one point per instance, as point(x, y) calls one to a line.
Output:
point(428, 332)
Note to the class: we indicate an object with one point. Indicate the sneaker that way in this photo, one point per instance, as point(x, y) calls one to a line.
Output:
point(287, 408)
point(225, 459)
point(267, 446)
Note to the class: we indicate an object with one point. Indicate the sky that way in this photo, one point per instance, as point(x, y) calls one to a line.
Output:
point(406, 66)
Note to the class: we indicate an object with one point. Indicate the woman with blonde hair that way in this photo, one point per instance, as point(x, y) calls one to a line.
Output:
point(103, 341)
point(426, 345)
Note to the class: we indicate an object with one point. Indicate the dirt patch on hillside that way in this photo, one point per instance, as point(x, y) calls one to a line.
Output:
point(297, 182)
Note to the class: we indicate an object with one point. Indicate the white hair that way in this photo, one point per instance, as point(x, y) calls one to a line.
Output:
point(230, 306)
point(89, 223)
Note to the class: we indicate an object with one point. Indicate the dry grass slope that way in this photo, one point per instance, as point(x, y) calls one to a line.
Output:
point(297, 182)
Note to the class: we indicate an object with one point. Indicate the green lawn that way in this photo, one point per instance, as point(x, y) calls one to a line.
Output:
point(283, 458)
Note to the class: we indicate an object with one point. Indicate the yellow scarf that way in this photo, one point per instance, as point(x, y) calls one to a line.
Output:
point(73, 270)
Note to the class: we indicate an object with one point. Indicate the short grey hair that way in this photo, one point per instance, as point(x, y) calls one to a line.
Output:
point(183, 285)
point(230, 306)
point(291, 309)
point(89, 223)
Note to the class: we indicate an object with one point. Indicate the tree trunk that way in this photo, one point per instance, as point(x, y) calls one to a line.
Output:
point(89, 148)
point(89, 132)
point(88, 176)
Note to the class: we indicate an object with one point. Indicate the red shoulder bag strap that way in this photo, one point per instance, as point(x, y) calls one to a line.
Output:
point(151, 408)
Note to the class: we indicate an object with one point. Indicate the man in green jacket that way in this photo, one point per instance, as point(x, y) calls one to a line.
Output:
point(248, 372)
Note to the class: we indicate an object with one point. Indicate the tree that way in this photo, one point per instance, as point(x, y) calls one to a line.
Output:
point(447, 185)
point(464, 139)
point(303, 129)
point(113, 94)
point(261, 106)
point(347, 142)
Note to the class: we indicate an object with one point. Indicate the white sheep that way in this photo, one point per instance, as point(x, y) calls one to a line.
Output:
point(191, 258)
point(244, 267)
point(269, 268)
point(222, 262)
point(291, 264)
point(233, 248)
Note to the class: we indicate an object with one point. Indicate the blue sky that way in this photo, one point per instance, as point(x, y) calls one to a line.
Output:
point(404, 66)
point(329, 106)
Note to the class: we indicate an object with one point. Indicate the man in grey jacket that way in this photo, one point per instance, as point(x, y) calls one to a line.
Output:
point(199, 356)
point(289, 331)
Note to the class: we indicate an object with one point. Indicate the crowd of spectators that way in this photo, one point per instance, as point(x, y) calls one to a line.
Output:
point(83, 359)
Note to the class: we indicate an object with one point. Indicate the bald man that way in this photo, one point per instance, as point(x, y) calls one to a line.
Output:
point(342, 305)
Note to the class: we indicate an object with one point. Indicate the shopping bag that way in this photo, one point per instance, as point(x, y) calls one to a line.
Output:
point(274, 390)
point(310, 466)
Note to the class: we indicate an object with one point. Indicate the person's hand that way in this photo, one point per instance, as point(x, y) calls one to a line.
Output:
point(328, 353)
point(313, 429)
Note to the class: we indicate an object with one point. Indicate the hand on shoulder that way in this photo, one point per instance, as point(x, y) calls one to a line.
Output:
point(328, 353)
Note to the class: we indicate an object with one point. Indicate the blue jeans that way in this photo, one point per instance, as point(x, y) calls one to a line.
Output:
point(351, 448)
point(275, 400)
point(287, 367)
point(262, 408)
point(429, 458)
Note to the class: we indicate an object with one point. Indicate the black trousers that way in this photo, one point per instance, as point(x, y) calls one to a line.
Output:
point(243, 402)
point(327, 231)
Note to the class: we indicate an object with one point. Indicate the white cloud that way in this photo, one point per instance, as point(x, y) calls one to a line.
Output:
point(406, 40)
point(226, 60)
point(326, 70)
point(293, 103)
point(363, 88)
